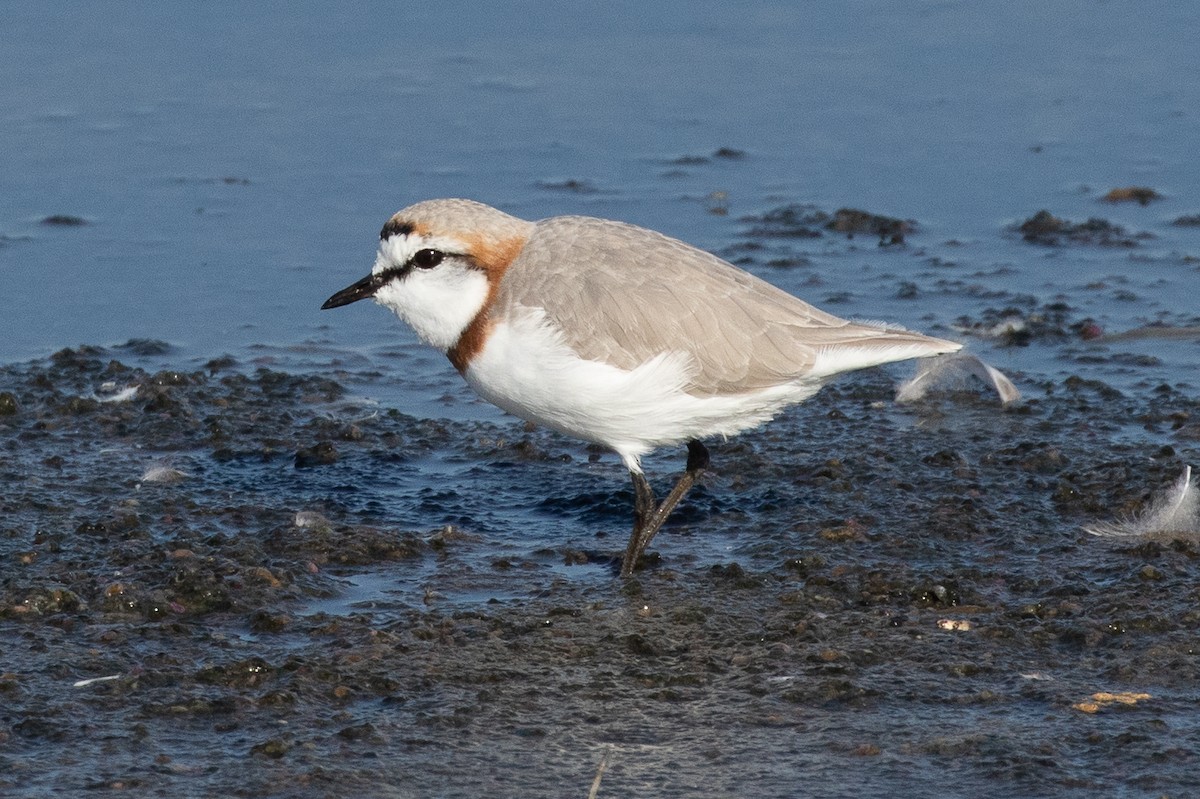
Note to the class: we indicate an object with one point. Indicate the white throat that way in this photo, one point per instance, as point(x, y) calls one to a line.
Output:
point(438, 303)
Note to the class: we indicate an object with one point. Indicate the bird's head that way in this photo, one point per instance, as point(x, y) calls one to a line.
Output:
point(438, 265)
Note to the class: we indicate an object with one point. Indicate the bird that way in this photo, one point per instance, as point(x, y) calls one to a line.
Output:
point(612, 333)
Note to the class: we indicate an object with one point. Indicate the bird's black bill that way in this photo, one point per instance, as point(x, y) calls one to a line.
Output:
point(359, 291)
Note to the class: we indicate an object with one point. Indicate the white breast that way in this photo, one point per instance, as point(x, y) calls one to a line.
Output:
point(527, 369)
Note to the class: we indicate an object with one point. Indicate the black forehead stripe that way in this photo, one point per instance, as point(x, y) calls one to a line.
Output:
point(395, 227)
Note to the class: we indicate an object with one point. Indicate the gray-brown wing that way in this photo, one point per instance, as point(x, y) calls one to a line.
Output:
point(626, 294)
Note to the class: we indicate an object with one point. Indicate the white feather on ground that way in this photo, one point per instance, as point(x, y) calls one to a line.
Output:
point(1173, 513)
point(94, 680)
point(110, 393)
point(163, 473)
point(310, 518)
point(953, 369)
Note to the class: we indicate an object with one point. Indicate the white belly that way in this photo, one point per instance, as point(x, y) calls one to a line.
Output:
point(526, 369)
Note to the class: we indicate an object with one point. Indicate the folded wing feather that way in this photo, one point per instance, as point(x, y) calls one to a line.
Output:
point(642, 294)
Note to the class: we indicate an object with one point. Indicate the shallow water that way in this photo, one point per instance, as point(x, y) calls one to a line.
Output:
point(449, 624)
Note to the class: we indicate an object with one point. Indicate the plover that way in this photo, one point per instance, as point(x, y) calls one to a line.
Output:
point(613, 333)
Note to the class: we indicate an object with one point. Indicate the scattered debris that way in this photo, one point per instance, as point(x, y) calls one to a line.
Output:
point(955, 625)
point(1142, 195)
point(1102, 699)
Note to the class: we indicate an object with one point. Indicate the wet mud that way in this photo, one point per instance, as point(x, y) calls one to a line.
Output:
point(243, 582)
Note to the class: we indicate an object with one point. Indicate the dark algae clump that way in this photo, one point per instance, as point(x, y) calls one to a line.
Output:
point(798, 221)
point(1050, 230)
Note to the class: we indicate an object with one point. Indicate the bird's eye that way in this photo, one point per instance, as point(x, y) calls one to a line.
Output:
point(427, 259)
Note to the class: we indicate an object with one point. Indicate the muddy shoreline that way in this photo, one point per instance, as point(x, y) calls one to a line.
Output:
point(880, 592)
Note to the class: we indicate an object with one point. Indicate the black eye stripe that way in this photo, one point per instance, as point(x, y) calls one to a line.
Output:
point(423, 259)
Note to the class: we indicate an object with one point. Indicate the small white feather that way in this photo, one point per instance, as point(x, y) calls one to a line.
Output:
point(94, 680)
point(955, 368)
point(1174, 513)
point(113, 394)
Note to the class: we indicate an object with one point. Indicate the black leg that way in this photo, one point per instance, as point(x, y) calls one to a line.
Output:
point(644, 506)
point(647, 519)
